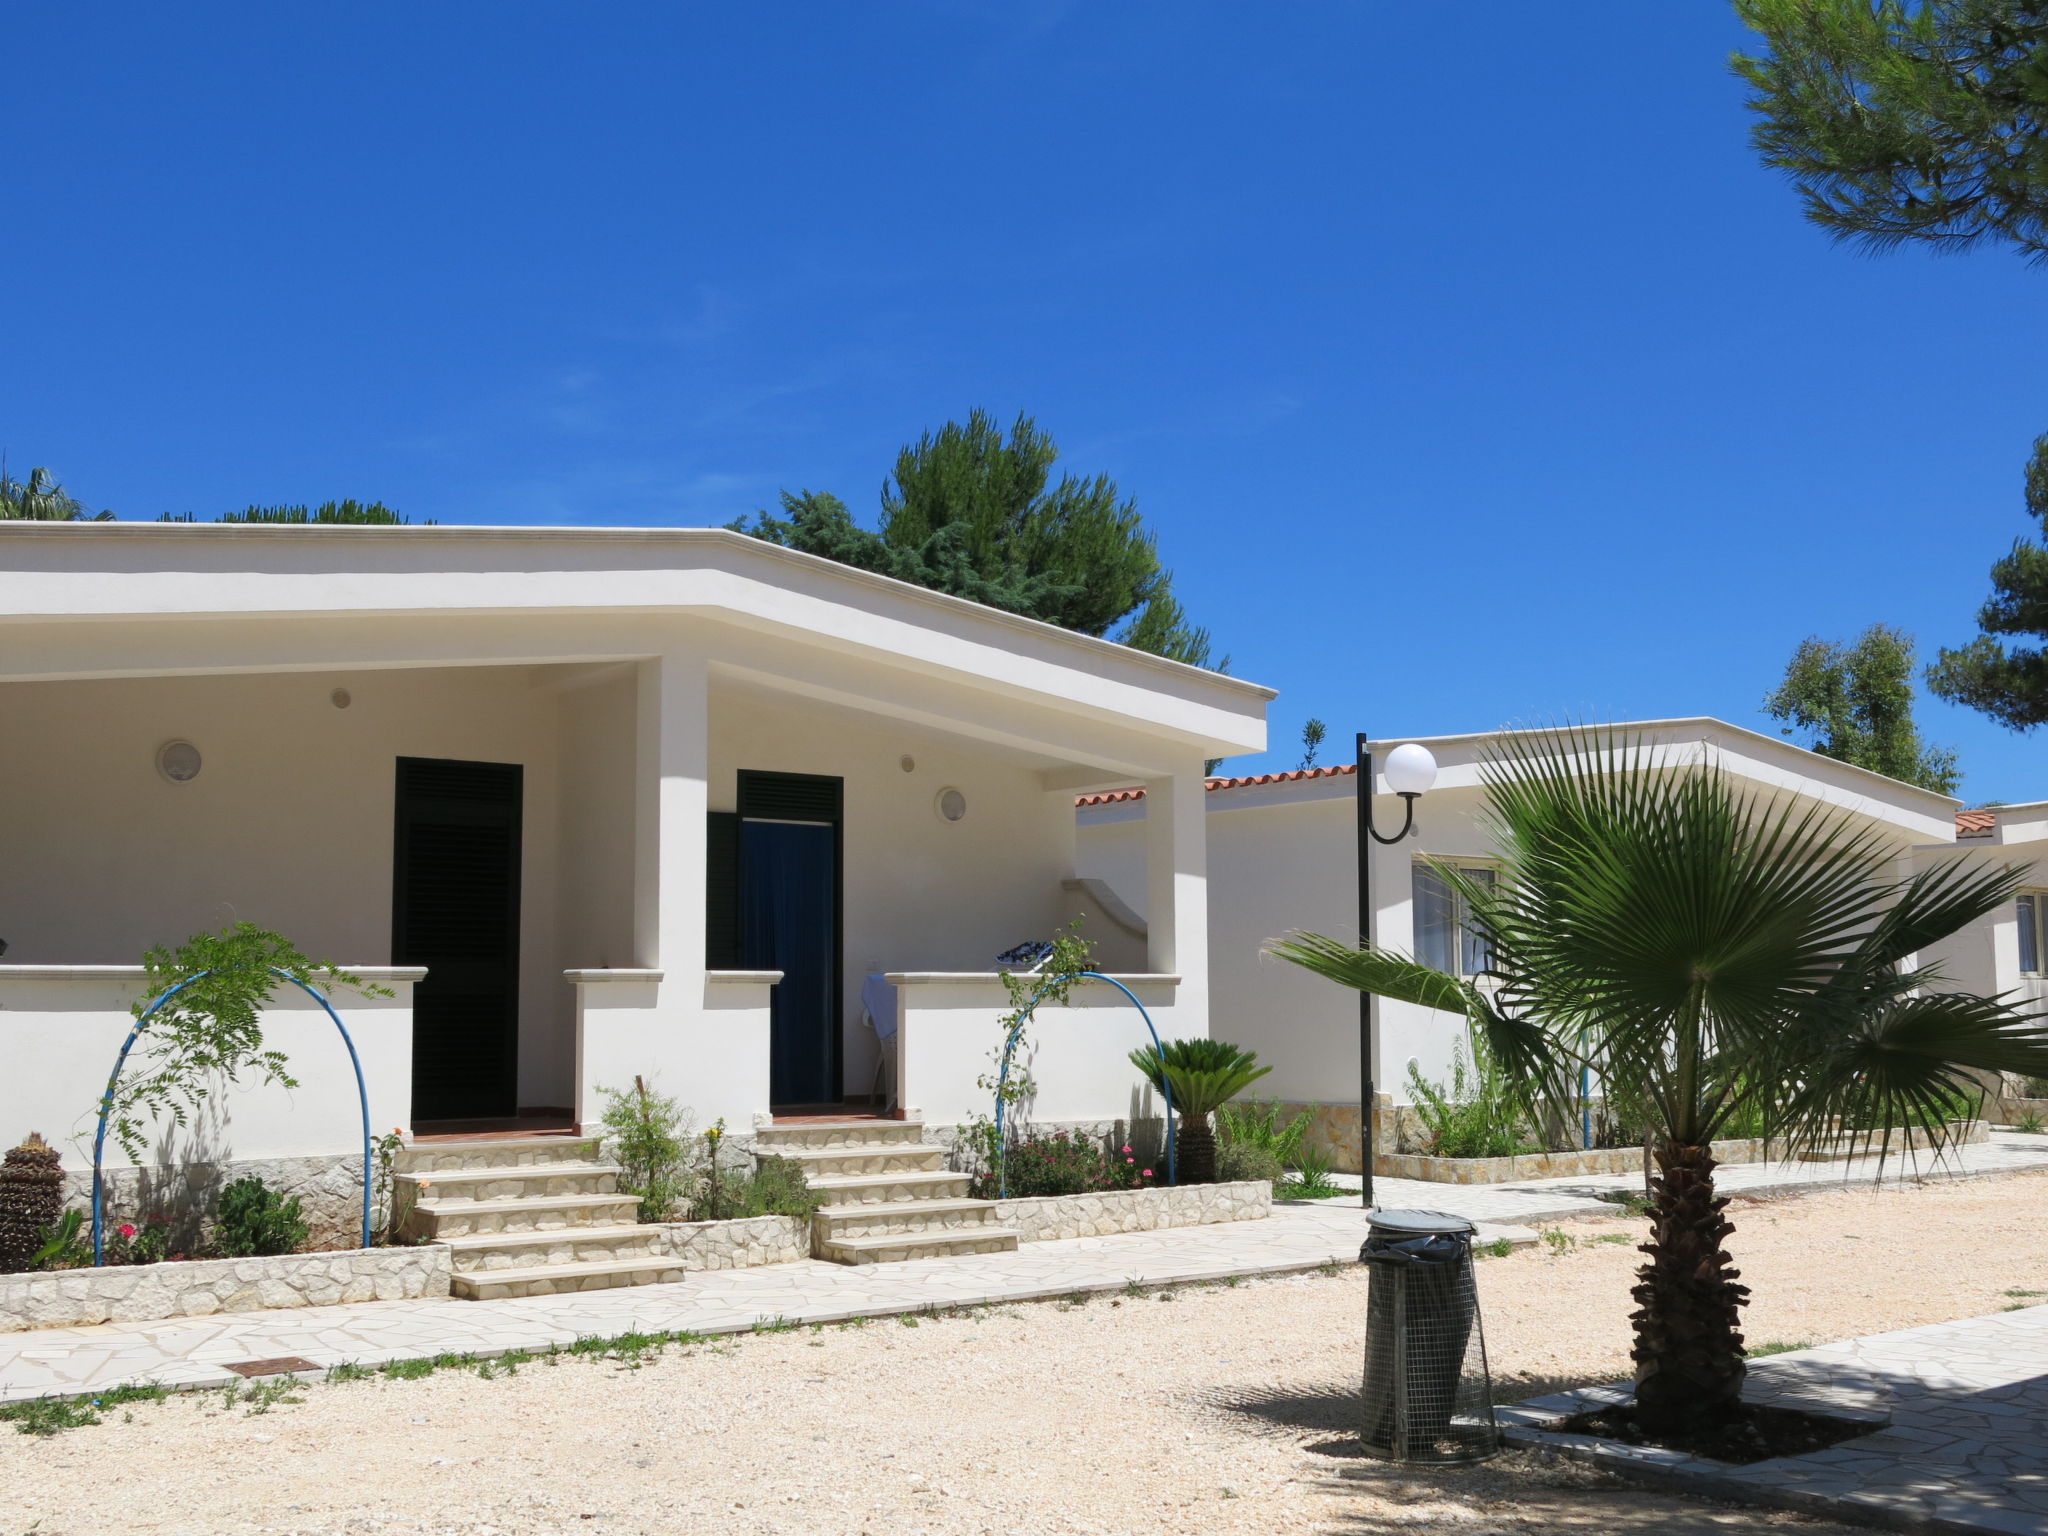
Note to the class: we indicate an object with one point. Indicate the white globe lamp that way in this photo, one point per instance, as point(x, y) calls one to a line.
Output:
point(1410, 769)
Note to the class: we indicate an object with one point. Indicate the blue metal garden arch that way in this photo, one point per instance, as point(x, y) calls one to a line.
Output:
point(99, 1141)
point(1010, 1045)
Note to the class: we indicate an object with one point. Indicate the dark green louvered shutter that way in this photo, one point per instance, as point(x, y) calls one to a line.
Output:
point(722, 891)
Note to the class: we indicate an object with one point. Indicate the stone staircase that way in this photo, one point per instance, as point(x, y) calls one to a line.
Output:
point(528, 1216)
point(888, 1195)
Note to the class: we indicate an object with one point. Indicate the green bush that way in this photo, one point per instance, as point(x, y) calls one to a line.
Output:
point(1262, 1123)
point(645, 1134)
point(1311, 1180)
point(1471, 1117)
point(254, 1223)
point(775, 1187)
point(1244, 1160)
point(1041, 1163)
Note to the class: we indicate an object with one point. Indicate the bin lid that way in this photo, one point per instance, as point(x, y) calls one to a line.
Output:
point(1419, 1223)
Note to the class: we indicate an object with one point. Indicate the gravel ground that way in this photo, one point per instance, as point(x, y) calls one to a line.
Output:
point(1216, 1409)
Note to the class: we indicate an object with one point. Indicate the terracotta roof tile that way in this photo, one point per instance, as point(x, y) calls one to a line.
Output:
point(1976, 823)
point(1113, 796)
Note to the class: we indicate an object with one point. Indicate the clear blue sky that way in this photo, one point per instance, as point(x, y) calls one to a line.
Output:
point(1468, 365)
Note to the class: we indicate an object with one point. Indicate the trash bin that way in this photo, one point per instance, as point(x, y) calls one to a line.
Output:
point(1427, 1395)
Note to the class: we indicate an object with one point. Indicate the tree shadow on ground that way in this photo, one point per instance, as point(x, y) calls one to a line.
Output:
point(1518, 1491)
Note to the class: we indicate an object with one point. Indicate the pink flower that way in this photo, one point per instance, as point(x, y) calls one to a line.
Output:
point(127, 1229)
point(1147, 1173)
point(1127, 1146)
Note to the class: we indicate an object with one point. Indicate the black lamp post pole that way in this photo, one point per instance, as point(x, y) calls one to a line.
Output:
point(1368, 834)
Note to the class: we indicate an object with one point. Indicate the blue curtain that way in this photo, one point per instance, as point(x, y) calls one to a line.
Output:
point(789, 922)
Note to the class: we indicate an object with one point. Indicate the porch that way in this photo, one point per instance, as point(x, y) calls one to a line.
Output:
point(571, 874)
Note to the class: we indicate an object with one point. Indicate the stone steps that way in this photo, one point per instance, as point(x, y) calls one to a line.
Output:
point(440, 1157)
point(529, 1216)
point(560, 1279)
point(541, 1179)
point(889, 1193)
point(874, 1188)
point(433, 1221)
point(487, 1251)
point(893, 1157)
point(840, 1221)
point(895, 1247)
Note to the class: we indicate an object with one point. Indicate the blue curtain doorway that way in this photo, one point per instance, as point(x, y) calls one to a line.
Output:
point(789, 922)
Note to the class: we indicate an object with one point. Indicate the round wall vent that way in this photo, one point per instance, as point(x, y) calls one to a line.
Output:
point(341, 698)
point(952, 805)
point(178, 761)
point(907, 763)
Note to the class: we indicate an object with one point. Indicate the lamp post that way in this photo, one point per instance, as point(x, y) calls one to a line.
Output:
point(1410, 772)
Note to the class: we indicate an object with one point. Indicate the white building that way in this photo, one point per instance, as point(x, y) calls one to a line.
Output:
point(592, 802)
point(1283, 856)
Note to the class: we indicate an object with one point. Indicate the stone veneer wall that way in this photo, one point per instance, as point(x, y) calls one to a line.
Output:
point(741, 1244)
point(1049, 1217)
point(330, 1191)
point(133, 1293)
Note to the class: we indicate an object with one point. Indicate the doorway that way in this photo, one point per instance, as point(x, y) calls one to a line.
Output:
point(455, 910)
point(788, 903)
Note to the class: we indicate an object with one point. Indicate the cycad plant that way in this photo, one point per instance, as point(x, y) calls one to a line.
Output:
point(1204, 1074)
point(1713, 955)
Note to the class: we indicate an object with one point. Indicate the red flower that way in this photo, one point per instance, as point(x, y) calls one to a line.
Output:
point(127, 1230)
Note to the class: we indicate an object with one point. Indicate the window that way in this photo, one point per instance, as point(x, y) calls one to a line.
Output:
point(1445, 937)
point(2033, 907)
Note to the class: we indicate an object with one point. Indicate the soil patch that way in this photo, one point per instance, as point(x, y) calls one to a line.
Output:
point(1756, 1433)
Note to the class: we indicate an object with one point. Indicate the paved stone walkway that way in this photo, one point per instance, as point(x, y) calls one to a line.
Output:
point(194, 1352)
point(1958, 1411)
point(2005, 1152)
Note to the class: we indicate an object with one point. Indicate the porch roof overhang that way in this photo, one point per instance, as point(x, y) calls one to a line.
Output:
point(89, 600)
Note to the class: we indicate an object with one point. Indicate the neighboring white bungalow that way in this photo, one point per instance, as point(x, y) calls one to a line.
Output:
point(2009, 951)
point(593, 802)
point(1283, 855)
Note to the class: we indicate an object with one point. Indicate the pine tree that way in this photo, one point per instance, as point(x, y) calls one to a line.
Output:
point(1856, 704)
point(1906, 121)
point(974, 513)
point(2008, 682)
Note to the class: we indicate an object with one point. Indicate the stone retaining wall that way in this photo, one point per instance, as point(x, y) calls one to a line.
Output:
point(330, 1191)
point(138, 1293)
point(741, 1244)
point(1607, 1160)
point(1045, 1218)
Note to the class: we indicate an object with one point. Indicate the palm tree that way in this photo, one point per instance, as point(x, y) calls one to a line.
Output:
point(41, 499)
point(1204, 1075)
point(1708, 954)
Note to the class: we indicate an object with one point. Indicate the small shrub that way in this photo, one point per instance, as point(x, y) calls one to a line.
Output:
point(1471, 1115)
point(1311, 1179)
point(1062, 1162)
point(1261, 1123)
point(149, 1243)
point(645, 1134)
point(2029, 1124)
point(1244, 1160)
point(255, 1223)
point(63, 1245)
point(775, 1187)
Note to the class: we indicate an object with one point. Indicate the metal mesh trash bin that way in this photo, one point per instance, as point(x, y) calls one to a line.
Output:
point(1427, 1393)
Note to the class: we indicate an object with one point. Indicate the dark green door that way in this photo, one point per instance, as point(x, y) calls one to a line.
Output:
point(455, 910)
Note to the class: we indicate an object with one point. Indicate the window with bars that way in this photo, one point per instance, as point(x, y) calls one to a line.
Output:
point(2033, 906)
point(1446, 938)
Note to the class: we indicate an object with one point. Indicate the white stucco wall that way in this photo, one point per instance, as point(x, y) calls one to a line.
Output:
point(289, 824)
point(60, 1034)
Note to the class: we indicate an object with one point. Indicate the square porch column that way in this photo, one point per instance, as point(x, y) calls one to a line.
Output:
point(671, 796)
point(1177, 891)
